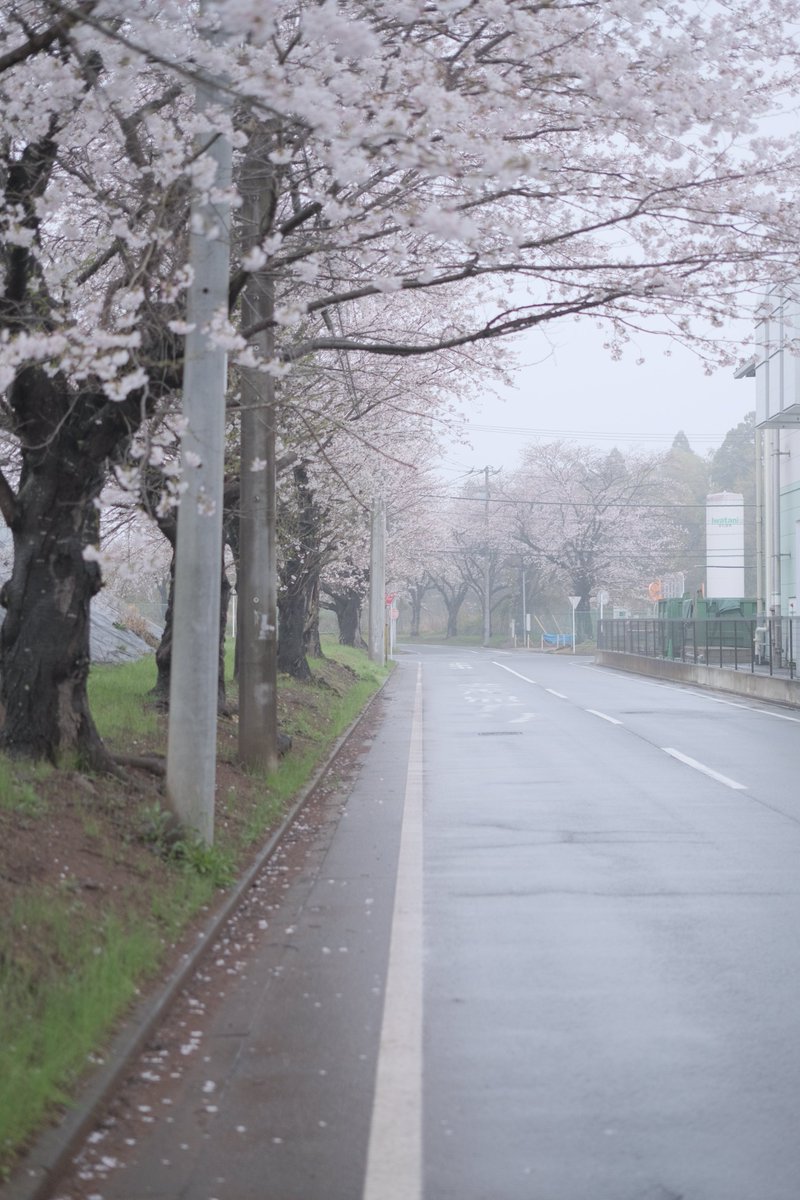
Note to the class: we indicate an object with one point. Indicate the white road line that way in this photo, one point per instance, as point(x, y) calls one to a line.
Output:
point(698, 766)
point(777, 716)
point(511, 671)
point(552, 692)
point(394, 1155)
point(728, 703)
point(747, 707)
point(603, 716)
point(521, 720)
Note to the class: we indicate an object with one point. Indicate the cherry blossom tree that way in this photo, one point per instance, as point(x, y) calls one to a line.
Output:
point(685, 480)
point(515, 163)
point(360, 430)
point(599, 518)
point(450, 584)
point(83, 362)
point(480, 539)
point(416, 590)
point(461, 550)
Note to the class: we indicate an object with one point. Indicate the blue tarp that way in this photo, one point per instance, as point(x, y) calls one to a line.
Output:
point(557, 639)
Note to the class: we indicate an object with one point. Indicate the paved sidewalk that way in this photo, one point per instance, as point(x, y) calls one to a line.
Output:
point(259, 1085)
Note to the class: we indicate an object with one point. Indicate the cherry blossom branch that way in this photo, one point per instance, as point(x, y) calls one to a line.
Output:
point(42, 41)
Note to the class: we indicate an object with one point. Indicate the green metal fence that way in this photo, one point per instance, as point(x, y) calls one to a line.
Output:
point(740, 644)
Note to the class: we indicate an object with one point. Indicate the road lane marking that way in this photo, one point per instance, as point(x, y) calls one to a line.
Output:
point(528, 679)
point(698, 766)
point(394, 1154)
point(729, 703)
point(603, 716)
point(511, 671)
point(520, 720)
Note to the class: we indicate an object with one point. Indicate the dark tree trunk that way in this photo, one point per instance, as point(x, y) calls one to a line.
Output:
point(453, 601)
point(298, 598)
point(417, 593)
point(583, 620)
point(169, 527)
point(311, 636)
point(291, 634)
point(69, 436)
point(160, 692)
point(347, 606)
point(164, 649)
point(224, 601)
point(45, 635)
point(230, 535)
point(453, 596)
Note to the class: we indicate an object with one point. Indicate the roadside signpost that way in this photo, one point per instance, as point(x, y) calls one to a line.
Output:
point(574, 601)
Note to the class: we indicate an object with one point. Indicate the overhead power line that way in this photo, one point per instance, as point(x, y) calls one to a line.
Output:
point(654, 556)
point(603, 435)
point(573, 503)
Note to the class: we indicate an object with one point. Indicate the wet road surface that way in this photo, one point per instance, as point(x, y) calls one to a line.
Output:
point(537, 939)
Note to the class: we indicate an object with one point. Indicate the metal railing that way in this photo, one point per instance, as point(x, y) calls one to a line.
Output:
point(739, 644)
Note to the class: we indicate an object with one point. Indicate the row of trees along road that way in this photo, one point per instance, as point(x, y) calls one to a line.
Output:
point(432, 178)
point(577, 521)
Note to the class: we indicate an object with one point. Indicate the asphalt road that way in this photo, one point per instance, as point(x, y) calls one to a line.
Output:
point(538, 940)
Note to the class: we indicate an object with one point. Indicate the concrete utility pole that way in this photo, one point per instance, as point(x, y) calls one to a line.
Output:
point(487, 579)
point(258, 570)
point(377, 583)
point(192, 740)
point(487, 563)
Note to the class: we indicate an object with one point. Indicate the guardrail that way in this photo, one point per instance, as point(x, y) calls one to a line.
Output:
point(739, 644)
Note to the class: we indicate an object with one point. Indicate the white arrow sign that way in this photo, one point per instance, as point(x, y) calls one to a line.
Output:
point(574, 601)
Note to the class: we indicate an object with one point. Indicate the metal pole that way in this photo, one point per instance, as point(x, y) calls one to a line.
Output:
point(487, 579)
point(791, 648)
point(776, 581)
point(192, 738)
point(761, 590)
point(776, 523)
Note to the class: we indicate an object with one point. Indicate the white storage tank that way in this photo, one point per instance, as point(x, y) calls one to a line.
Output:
point(724, 545)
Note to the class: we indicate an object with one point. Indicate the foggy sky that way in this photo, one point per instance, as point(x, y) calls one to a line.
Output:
point(568, 387)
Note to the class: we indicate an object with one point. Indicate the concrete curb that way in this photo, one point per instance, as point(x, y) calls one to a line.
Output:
point(39, 1170)
point(720, 679)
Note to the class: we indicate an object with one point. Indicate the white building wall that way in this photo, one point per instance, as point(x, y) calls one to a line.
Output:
point(777, 372)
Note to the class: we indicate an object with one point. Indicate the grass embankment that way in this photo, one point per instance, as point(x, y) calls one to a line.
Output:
point(462, 639)
point(498, 641)
point(93, 894)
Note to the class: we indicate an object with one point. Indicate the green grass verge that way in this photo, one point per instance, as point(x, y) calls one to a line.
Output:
point(18, 792)
point(116, 696)
point(462, 639)
point(65, 977)
point(59, 1001)
point(319, 726)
